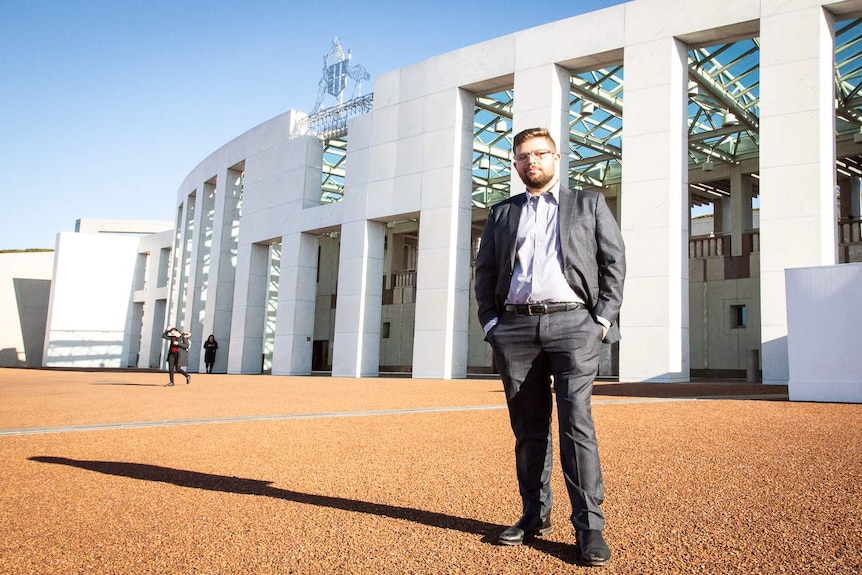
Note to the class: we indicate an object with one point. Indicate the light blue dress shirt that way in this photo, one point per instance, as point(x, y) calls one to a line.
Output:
point(538, 273)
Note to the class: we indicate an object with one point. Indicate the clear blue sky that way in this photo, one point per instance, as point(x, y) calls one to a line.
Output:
point(106, 105)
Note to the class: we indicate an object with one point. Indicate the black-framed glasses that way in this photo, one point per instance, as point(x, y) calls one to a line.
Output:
point(535, 154)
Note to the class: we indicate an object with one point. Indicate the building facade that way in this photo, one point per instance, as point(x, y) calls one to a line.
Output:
point(290, 281)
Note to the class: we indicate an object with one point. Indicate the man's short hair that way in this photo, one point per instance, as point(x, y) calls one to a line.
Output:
point(531, 133)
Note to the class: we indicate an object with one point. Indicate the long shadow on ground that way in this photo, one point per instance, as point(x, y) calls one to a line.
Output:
point(244, 486)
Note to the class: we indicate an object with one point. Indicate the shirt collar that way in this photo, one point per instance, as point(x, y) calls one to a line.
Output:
point(553, 191)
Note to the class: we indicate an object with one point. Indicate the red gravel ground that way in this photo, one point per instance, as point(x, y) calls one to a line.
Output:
point(220, 476)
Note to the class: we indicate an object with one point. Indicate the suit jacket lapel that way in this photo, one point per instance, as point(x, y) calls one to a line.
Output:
point(514, 220)
point(566, 208)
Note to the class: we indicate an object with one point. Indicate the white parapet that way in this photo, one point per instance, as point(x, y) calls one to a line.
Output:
point(824, 313)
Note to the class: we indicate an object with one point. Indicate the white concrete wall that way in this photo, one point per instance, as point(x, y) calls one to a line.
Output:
point(25, 286)
point(121, 227)
point(90, 305)
point(716, 342)
point(824, 315)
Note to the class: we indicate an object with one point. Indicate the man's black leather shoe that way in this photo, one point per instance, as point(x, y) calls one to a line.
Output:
point(527, 526)
point(593, 549)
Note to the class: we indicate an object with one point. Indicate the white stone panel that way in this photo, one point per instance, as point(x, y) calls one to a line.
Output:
point(25, 287)
point(441, 111)
point(795, 76)
point(387, 89)
point(607, 33)
point(411, 120)
point(437, 188)
point(799, 236)
point(385, 127)
point(794, 32)
point(798, 149)
point(322, 216)
point(408, 194)
point(90, 295)
point(647, 244)
point(823, 318)
point(646, 118)
point(534, 88)
point(437, 230)
point(381, 198)
point(647, 21)
point(359, 130)
point(410, 158)
point(648, 157)
point(774, 7)
point(382, 157)
point(346, 364)
point(439, 149)
point(359, 171)
point(265, 135)
point(484, 61)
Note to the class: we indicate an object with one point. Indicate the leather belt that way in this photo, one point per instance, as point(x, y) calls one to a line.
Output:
point(541, 308)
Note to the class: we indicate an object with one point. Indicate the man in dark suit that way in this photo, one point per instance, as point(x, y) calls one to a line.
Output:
point(549, 284)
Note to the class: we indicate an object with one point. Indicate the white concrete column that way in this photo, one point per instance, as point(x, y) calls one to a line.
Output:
point(190, 263)
point(797, 162)
point(297, 291)
point(249, 310)
point(154, 298)
point(740, 208)
point(176, 269)
point(654, 319)
point(200, 276)
point(719, 216)
point(356, 344)
point(222, 269)
point(443, 274)
point(542, 100)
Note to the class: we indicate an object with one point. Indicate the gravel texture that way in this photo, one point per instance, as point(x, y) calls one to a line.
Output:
point(700, 478)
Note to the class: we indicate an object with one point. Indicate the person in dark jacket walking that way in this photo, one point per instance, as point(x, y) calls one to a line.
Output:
point(210, 347)
point(178, 354)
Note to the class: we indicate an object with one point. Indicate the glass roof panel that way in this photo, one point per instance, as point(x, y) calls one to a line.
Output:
point(595, 126)
point(334, 169)
point(848, 76)
point(492, 147)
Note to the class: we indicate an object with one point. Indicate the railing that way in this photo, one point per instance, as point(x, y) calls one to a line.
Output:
point(850, 240)
point(404, 279)
point(717, 245)
point(849, 231)
point(399, 287)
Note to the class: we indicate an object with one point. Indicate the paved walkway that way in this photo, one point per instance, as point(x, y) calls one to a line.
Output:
point(111, 472)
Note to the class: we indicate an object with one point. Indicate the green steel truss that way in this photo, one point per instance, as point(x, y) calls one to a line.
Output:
point(723, 121)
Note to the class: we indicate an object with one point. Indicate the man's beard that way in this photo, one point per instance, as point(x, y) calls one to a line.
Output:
point(536, 180)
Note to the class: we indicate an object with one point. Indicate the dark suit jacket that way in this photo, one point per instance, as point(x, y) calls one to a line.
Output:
point(591, 245)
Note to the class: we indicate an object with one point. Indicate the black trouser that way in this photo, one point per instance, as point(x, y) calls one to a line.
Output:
point(529, 350)
point(174, 366)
